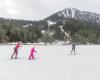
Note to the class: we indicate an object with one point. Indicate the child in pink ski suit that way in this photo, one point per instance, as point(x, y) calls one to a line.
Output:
point(16, 50)
point(32, 53)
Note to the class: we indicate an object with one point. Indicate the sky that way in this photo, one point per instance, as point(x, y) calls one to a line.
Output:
point(40, 9)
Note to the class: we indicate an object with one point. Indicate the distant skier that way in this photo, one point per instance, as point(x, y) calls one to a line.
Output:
point(73, 48)
point(31, 56)
point(18, 44)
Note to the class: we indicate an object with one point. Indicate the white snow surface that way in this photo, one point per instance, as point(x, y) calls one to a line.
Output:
point(73, 12)
point(50, 23)
point(61, 27)
point(66, 12)
point(52, 62)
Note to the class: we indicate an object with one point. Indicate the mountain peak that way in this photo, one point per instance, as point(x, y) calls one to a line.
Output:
point(74, 13)
point(71, 8)
point(68, 12)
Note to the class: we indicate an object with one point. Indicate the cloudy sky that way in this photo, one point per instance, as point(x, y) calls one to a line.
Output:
point(39, 9)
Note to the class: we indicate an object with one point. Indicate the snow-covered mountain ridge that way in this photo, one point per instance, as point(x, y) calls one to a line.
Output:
point(75, 14)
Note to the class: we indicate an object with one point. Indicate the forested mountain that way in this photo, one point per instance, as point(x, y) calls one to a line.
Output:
point(12, 30)
point(68, 25)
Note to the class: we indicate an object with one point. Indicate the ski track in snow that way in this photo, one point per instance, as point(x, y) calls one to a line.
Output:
point(51, 63)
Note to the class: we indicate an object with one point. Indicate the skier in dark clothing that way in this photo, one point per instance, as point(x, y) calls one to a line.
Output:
point(73, 48)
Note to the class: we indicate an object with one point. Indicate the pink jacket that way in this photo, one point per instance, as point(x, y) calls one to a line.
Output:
point(18, 45)
point(33, 50)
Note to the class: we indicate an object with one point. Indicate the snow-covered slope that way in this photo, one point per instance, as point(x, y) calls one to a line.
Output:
point(50, 23)
point(61, 27)
point(51, 63)
point(69, 12)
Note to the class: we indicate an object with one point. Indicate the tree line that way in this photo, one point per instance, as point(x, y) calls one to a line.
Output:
point(18, 30)
point(82, 32)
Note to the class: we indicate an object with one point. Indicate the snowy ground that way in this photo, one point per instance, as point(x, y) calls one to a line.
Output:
point(51, 63)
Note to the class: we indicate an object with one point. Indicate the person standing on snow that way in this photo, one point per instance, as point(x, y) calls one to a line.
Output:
point(73, 48)
point(18, 44)
point(31, 56)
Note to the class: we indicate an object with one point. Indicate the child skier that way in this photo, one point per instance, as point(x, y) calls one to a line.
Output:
point(32, 53)
point(18, 44)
